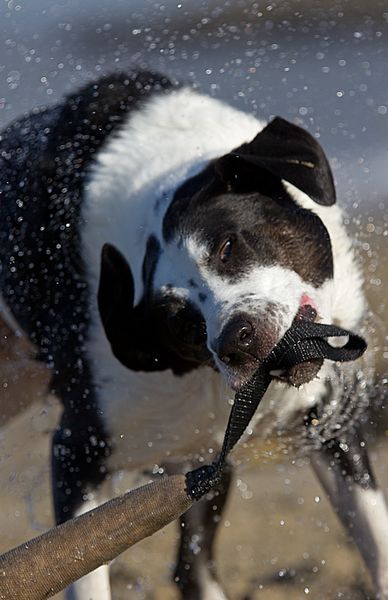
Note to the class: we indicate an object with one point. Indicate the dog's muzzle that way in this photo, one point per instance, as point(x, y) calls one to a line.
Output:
point(246, 341)
point(243, 342)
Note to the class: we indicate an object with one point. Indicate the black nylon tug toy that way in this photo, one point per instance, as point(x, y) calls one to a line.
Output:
point(304, 341)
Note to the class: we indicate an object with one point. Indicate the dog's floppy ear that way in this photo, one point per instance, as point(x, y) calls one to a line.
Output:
point(115, 298)
point(286, 151)
point(131, 331)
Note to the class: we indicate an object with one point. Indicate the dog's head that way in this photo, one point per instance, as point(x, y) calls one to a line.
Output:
point(236, 261)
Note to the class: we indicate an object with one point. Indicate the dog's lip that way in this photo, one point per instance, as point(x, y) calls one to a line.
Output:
point(235, 378)
point(306, 300)
point(237, 381)
point(304, 372)
point(308, 309)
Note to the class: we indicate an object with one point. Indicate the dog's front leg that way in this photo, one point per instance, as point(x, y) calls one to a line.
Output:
point(344, 470)
point(77, 474)
point(195, 574)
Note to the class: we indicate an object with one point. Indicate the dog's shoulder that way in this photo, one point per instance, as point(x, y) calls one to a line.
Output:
point(67, 135)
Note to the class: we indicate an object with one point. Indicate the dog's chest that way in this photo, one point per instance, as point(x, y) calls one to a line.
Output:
point(156, 418)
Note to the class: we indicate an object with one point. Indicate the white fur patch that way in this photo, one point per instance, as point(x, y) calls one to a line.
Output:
point(266, 286)
point(95, 585)
point(210, 588)
point(370, 531)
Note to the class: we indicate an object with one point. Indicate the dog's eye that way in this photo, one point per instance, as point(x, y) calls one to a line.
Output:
point(225, 250)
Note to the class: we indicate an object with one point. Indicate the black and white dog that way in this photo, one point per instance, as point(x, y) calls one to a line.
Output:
point(155, 245)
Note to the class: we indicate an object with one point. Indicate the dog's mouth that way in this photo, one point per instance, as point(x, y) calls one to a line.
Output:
point(296, 376)
point(306, 371)
point(186, 334)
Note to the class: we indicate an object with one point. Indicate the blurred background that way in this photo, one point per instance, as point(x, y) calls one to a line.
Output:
point(321, 64)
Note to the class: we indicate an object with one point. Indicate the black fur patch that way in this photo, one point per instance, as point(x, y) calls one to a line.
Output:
point(44, 162)
point(265, 227)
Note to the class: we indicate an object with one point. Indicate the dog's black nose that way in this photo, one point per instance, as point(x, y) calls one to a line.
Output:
point(233, 345)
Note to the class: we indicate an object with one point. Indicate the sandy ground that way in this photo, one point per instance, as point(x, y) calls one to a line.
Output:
point(278, 538)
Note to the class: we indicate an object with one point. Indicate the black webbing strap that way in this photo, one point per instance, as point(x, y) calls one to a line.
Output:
point(304, 341)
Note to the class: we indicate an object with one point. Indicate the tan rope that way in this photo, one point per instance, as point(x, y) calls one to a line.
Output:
point(47, 564)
